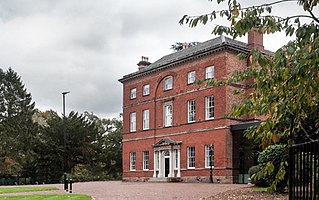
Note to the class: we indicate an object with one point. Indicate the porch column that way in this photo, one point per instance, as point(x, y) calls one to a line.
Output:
point(154, 174)
point(171, 170)
point(160, 168)
point(179, 163)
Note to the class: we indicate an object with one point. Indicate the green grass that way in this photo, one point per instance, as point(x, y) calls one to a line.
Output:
point(24, 189)
point(48, 197)
point(260, 189)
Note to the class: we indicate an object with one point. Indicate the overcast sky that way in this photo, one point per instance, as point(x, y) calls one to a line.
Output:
point(85, 46)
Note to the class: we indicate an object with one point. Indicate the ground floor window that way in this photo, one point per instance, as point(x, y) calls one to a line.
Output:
point(133, 161)
point(191, 157)
point(145, 160)
point(209, 156)
point(176, 158)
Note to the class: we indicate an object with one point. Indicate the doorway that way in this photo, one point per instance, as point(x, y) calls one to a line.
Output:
point(166, 167)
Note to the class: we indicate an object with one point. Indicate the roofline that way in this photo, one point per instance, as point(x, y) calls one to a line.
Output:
point(220, 47)
point(243, 126)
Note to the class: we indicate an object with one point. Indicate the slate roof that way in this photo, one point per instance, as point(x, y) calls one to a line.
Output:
point(204, 48)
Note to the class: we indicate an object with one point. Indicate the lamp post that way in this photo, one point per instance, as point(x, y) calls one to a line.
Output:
point(211, 163)
point(64, 144)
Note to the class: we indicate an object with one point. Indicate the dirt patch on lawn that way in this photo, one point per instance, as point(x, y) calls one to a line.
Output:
point(247, 194)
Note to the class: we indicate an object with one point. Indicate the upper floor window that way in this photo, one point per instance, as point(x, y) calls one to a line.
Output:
point(133, 93)
point(209, 156)
point(191, 76)
point(168, 83)
point(132, 161)
point(209, 107)
point(146, 90)
point(209, 72)
point(145, 160)
point(146, 119)
point(191, 110)
point(191, 157)
point(168, 114)
point(133, 122)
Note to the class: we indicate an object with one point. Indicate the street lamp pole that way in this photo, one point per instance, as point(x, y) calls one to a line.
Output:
point(64, 144)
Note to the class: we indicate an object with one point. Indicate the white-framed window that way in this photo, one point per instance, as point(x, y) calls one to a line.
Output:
point(176, 159)
point(145, 160)
point(146, 90)
point(146, 119)
point(209, 72)
point(191, 76)
point(168, 83)
point(168, 114)
point(132, 161)
point(209, 156)
point(156, 160)
point(190, 157)
point(191, 111)
point(133, 122)
point(133, 93)
point(209, 107)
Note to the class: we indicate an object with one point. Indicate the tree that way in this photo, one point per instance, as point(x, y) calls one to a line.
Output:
point(16, 126)
point(180, 45)
point(80, 145)
point(286, 84)
point(109, 143)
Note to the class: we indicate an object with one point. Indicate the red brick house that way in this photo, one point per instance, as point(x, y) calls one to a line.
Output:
point(173, 127)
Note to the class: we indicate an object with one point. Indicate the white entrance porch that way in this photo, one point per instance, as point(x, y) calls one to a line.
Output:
point(167, 159)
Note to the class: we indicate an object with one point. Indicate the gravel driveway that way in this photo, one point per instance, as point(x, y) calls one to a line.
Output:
point(118, 190)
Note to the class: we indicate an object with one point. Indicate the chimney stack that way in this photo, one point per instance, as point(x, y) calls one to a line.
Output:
point(255, 40)
point(143, 63)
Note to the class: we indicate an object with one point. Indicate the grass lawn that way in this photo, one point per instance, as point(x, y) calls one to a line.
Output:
point(24, 189)
point(260, 189)
point(48, 197)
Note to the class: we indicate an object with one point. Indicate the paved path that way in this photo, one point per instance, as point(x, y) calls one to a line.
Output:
point(116, 190)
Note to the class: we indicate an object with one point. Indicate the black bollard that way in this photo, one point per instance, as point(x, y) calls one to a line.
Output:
point(70, 185)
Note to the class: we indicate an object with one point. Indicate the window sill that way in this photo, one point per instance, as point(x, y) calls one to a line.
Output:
point(145, 95)
point(132, 170)
point(209, 167)
point(145, 169)
point(190, 122)
point(167, 89)
point(209, 118)
point(190, 167)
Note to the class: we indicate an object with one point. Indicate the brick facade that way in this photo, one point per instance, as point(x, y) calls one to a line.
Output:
point(197, 134)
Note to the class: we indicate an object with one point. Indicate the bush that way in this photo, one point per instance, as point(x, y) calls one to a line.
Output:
point(272, 164)
point(252, 174)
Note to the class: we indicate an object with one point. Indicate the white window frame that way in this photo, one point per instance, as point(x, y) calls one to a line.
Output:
point(146, 158)
point(132, 161)
point(191, 111)
point(168, 83)
point(133, 122)
point(176, 159)
point(168, 114)
point(146, 90)
point(209, 107)
point(156, 160)
point(209, 72)
point(207, 156)
point(191, 77)
point(133, 93)
point(146, 119)
point(191, 157)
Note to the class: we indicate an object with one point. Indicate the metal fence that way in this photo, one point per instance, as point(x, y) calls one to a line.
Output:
point(304, 171)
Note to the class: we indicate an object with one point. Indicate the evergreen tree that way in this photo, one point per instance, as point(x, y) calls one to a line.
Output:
point(16, 127)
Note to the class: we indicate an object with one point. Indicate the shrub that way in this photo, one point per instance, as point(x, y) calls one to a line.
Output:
point(252, 174)
point(272, 164)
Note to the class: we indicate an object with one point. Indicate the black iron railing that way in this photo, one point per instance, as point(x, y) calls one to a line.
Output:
point(304, 171)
